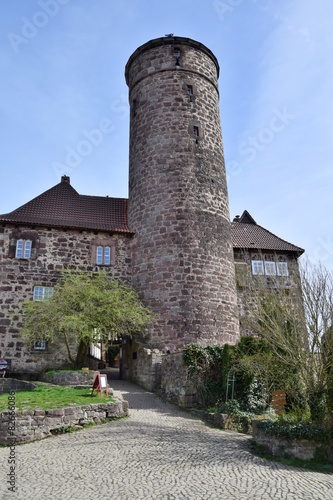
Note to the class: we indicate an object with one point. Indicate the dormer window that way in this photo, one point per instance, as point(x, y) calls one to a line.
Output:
point(23, 249)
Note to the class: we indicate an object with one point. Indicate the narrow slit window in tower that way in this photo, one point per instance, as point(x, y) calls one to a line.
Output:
point(190, 92)
point(176, 54)
point(196, 131)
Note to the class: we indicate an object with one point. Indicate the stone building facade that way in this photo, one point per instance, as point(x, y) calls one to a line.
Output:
point(172, 239)
point(261, 259)
point(58, 230)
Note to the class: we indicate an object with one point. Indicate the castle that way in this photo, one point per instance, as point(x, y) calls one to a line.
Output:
point(172, 239)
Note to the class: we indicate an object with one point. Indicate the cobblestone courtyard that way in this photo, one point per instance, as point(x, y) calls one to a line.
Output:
point(159, 452)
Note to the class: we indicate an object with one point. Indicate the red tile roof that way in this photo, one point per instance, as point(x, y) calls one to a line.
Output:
point(246, 233)
point(62, 206)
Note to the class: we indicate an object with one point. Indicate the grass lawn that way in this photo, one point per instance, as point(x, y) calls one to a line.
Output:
point(50, 396)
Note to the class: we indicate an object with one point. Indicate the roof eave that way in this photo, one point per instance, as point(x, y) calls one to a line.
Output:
point(66, 226)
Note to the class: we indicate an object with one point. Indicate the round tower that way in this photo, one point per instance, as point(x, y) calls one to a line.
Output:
point(178, 200)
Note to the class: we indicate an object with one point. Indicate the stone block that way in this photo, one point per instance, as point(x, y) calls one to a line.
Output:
point(125, 407)
point(91, 413)
point(71, 419)
point(104, 406)
point(53, 421)
point(37, 420)
point(56, 412)
point(27, 412)
point(38, 412)
point(111, 407)
point(39, 434)
point(84, 421)
point(71, 410)
point(220, 420)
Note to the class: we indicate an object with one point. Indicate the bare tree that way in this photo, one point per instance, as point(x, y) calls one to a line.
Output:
point(297, 322)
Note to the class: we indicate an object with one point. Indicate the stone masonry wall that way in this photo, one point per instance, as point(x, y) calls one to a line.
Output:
point(29, 425)
point(246, 282)
point(53, 251)
point(178, 200)
point(74, 378)
point(141, 365)
point(175, 383)
point(296, 448)
point(12, 384)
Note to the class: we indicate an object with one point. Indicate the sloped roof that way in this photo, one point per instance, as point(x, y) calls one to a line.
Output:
point(62, 206)
point(246, 233)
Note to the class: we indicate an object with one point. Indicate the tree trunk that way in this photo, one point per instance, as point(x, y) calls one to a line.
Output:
point(81, 354)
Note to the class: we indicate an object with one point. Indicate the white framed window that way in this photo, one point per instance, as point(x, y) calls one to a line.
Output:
point(257, 267)
point(270, 268)
point(43, 292)
point(40, 345)
point(96, 351)
point(103, 256)
point(23, 249)
point(282, 269)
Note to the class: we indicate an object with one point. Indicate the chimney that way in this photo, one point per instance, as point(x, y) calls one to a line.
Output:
point(66, 178)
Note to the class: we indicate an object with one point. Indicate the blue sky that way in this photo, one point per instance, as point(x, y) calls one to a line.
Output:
point(62, 76)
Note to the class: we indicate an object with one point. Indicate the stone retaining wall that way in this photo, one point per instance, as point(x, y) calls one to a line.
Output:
point(85, 378)
point(29, 425)
point(297, 448)
point(225, 421)
point(12, 384)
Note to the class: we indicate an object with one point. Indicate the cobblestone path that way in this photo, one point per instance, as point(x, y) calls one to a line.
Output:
point(159, 453)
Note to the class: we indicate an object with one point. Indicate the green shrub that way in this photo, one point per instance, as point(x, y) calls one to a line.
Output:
point(242, 417)
point(204, 368)
point(294, 431)
point(295, 418)
point(320, 455)
point(209, 367)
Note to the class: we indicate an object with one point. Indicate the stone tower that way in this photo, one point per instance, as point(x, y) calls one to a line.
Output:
point(178, 200)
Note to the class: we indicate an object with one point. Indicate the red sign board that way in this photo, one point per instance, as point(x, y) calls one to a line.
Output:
point(100, 384)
